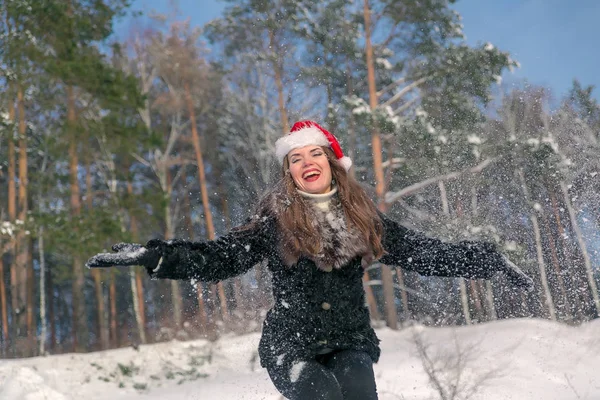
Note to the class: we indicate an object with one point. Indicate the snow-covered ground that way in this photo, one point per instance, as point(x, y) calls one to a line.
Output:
point(522, 359)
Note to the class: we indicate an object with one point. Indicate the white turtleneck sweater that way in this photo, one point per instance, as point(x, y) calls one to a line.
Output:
point(321, 201)
point(339, 244)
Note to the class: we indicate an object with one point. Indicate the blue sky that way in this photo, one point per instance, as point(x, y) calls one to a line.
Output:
point(553, 40)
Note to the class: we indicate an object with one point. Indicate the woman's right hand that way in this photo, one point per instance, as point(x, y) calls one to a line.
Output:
point(126, 254)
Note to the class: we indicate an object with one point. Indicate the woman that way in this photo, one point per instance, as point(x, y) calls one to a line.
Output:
point(318, 230)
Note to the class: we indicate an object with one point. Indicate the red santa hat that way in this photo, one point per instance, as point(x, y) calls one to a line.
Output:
point(306, 133)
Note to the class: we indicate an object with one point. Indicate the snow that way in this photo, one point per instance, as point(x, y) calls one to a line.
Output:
point(384, 62)
point(296, 370)
point(528, 358)
point(6, 228)
point(362, 109)
point(474, 139)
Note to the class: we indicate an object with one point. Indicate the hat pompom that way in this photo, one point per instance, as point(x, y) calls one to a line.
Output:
point(346, 162)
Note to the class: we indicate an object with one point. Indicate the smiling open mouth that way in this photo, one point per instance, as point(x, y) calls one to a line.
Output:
point(311, 176)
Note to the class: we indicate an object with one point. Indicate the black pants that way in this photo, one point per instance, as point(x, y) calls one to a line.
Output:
point(342, 375)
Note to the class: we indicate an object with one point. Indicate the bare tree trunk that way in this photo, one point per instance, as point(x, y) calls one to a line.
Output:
point(556, 264)
point(489, 296)
point(386, 276)
point(51, 313)
point(464, 297)
point(581, 287)
point(142, 309)
point(136, 306)
point(373, 102)
point(31, 322)
point(210, 228)
point(540, 254)
point(43, 320)
point(403, 293)
point(199, 160)
point(351, 124)
point(583, 247)
point(177, 305)
point(112, 295)
point(277, 68)
point(100, 311)
point(137, 290)
point(542, 265)
point(487, 288)
point(24, 318)
point(473, 288)
point(169, 233)
point(473, 285)
point(371, 302)
point(387, 281)
point(464, 300)
point(5, 336)
point(12, 208)
point(80, 329)
point(102, 330)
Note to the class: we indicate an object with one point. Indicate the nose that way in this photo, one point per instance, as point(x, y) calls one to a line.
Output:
point(306, 163)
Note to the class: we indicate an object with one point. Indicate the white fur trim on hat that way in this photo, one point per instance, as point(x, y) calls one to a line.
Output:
point(346, 162)
point(299, 138)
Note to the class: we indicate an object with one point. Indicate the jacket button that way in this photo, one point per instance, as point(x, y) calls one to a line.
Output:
point(326, 306)
point(328, 268)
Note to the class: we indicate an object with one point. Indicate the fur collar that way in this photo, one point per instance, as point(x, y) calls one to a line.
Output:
point(339, 244)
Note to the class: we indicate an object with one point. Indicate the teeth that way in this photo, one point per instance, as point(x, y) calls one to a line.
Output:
point(311, 174)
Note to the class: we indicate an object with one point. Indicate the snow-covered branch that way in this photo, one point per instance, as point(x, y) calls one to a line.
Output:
point(394, 161)
point(404, 91)
point(391, 86)
point(391, 197)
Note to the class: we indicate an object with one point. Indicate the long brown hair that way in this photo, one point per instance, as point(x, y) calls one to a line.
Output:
point(295, 220)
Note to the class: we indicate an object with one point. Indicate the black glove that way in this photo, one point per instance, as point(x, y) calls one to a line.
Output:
point(126, 254)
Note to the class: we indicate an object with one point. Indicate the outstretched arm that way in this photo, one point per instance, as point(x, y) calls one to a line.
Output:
point(230, 255)
point(428, 256)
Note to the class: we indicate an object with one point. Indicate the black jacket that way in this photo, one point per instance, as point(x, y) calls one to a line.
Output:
point(314, 309)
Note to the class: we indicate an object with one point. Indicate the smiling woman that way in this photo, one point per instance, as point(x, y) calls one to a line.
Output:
point(317, 229)
point(309, 167)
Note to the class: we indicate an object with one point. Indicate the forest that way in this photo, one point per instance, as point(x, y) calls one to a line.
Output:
point(170, 133)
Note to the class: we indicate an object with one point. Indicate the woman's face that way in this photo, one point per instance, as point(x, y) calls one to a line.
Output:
point(310, 169)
